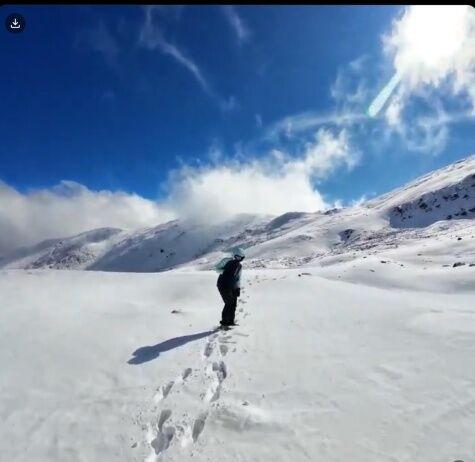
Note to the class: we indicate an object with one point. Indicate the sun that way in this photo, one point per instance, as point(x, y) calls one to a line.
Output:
point(429, 43)
point(430, 38)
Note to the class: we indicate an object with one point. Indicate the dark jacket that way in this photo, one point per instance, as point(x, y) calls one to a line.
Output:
point(231, 276)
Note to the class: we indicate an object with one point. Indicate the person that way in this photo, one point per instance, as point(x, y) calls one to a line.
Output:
point(229, 285)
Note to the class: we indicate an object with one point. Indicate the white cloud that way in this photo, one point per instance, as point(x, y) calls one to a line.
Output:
point(432, 49)
point(350, 90)
point(275, 184)
point(393, 112)
point(326, 153)
point(427, 135)
point(152, 38)
point(68, 209)
point(240, 29)
point(425, 132)
point(309, 121)
point(221, 192)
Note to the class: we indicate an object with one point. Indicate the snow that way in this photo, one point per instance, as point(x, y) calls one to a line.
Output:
point(355, 339)
point(95, 366)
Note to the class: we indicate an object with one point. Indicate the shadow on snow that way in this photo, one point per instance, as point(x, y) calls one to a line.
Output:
point(149, 353)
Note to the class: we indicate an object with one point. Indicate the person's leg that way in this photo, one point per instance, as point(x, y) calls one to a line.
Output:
point(227, 314)
point(232, 309)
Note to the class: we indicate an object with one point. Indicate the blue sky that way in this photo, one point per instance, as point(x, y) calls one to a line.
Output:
point(132, 99)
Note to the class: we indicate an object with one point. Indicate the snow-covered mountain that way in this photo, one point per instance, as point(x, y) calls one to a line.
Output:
point(440, 205)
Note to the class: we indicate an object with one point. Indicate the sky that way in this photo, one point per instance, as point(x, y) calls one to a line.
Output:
point(129, 116)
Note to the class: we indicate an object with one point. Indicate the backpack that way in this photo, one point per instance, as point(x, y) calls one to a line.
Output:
point(219, 267)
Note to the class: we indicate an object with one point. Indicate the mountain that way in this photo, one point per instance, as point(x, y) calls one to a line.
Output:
point(432, 208)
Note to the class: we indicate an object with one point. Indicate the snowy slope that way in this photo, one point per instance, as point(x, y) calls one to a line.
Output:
point(421, 210)
point(68, 253)
point(355, 343)
point(448, 193)
point(126, 367)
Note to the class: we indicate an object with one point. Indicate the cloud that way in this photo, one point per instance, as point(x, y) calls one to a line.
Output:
point(415, 117)
point(394, 111)
point(237, 24)
point(432, 50)
point(324, 154)
point(68, 209)
point(423, 130)
point(172, 50)
point(152, 38)
point(431, 47)
point(274, 184)
point(297, 124)
point(421, 120)
point(350, 91)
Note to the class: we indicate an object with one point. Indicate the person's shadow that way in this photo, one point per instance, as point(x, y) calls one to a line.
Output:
point(149, 353)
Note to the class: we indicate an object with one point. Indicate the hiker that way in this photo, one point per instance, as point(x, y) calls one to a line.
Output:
point(229, 285)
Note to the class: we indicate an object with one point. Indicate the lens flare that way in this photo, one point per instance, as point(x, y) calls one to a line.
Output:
point(378, 102)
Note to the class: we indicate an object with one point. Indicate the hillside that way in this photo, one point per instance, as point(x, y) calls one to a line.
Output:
point(435, 206)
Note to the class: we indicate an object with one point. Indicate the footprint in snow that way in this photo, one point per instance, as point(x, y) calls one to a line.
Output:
point(208, 349)
point(218, 370)
point(163, 391)
point(163, 439)
point(199, 425)
point(164, 416)
point(186, 373)
point(223, 349)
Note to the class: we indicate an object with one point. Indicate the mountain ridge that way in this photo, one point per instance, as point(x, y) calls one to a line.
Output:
point(436, 203)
